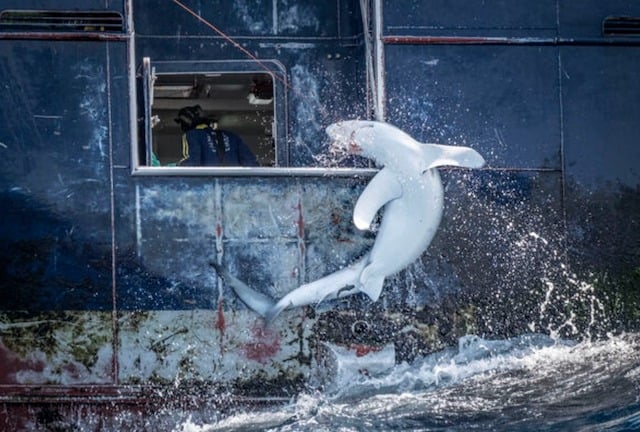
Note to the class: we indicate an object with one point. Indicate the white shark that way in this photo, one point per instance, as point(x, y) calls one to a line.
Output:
point(410, 190)
point(408, 187)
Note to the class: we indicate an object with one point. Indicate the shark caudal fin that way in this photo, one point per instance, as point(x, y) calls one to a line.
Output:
point(256, 301)
point(436, 155)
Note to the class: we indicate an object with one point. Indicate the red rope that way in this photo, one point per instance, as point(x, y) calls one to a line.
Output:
point(247, 53)
point(230, 39)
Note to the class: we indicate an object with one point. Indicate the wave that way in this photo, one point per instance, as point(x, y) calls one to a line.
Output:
point(531, 382)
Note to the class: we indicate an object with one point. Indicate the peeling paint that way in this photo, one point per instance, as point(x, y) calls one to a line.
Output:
point(56, 347)
point(294, 17)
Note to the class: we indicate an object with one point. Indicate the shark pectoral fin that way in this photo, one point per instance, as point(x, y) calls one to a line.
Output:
point(371, 285)
point(382, 188)
point(443, 155)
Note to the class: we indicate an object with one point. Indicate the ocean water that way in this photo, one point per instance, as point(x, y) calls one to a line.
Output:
point(528, 383)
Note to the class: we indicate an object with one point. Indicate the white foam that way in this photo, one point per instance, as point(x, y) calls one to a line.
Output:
point(510, 383)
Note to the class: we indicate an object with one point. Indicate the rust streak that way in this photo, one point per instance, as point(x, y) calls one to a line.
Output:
point(486, 40)
point(301, 229)
point(300, 221)
point(220, 322)
point(456, 40)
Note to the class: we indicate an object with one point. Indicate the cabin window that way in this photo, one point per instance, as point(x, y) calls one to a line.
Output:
point(239, 97)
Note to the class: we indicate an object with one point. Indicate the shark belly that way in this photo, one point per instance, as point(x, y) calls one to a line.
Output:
point(408, 226)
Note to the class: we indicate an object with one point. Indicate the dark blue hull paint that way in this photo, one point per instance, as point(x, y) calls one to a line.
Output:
point(90, 249)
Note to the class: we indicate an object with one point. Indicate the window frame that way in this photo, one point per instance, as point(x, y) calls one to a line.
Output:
point(141, 139)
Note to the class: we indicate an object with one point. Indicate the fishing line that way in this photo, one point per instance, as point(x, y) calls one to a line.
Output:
point(225, 36)
point(246, 52)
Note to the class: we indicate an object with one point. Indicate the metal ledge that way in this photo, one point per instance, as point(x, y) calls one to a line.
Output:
point(254, 172)
point(84, 36)
point(489, 40)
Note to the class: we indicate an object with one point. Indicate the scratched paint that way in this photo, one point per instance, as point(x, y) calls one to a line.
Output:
point(294, 17)
point(155, 347)
point(267, 241)
point(308, 112)
point(252, 18)
point(92, 105)
point(182, 347)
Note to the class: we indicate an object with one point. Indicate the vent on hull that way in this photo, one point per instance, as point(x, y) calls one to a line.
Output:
point(621, 26)
point(60, 21)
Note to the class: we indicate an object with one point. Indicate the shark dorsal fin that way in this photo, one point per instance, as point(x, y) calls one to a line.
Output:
point(435, 155)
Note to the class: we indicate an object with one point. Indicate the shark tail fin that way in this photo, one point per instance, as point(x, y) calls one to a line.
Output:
point(256, 301)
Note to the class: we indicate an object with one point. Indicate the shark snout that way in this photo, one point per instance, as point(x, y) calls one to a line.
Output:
point(337, 132)
point(343, 135)
point(342, 139)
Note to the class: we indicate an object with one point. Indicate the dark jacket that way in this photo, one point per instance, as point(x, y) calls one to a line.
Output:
point(205, 146)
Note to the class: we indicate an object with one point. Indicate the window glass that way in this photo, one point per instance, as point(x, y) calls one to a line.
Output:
point(240, 103)
point(211, 114)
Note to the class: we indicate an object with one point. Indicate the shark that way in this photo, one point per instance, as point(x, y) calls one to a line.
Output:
point(407, 188)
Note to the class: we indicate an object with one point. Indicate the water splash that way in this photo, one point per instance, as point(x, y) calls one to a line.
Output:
point(528, 383)
point(571, 305)
point(335, 156)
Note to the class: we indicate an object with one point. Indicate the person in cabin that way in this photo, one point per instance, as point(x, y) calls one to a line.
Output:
point(203, 144)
